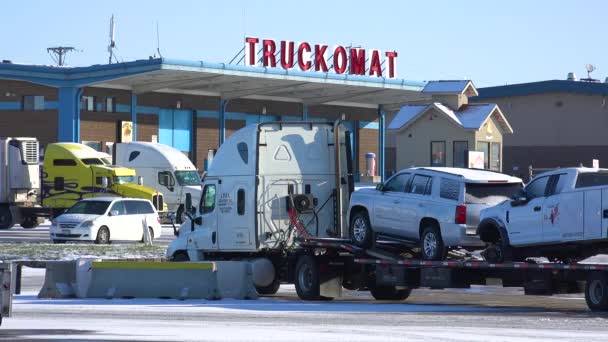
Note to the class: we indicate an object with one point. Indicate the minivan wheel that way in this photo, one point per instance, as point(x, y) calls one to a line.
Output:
point(361, 232)
point(103, 236)
point(431, 244)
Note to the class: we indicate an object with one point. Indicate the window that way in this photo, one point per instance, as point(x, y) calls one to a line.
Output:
point(490, 193)
point(89, 207)
point(92, 161)
point(449, 189)
point(495, 156)
point(240, 202)
point(187, 178)
point(485, 148)
point(31, 102)
point(537, 188)
point(144, 207)
point(421, 185)
point(131, 207)
point(96, 145)
point(243, 151)
point(133, 155)
point(64, 162)
point(437, 153)
point(588, 179)
point(461, 148)
point(208, 199)
point(558, 184)
point(87, 103)
point(166, 178)
point(110, 105)
point(120, 207)
point(397, 183)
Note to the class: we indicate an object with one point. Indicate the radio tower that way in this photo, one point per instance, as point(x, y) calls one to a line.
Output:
point(58, 53)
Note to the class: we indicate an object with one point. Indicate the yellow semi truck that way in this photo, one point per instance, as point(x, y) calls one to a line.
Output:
point(72, 172)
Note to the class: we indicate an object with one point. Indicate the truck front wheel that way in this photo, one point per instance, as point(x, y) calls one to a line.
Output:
point(596, 291)
point(6, 218)
point(29, 222)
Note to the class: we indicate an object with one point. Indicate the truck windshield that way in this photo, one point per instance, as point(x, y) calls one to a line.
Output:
point(490, 193)
point(92, 161)
point(89, 207)
point(187, 178)
point(124, 179)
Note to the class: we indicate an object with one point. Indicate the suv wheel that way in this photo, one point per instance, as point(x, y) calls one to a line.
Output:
point(361, 232)
point(431, 244)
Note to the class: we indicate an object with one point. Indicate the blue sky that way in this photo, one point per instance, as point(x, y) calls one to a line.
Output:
point(490, 42)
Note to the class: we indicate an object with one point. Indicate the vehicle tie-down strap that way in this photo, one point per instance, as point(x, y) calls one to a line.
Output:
point(293, 218)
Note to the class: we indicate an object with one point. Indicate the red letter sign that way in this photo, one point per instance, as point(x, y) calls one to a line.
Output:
point(320, 58)
point(287, 54)
point(375, 66)
point(304, 58)
point(390, 56)
point(250, 50)
point(357, 61)
point(268, 57)
point(340, 60)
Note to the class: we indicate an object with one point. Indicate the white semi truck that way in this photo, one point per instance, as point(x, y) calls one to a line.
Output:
point(20, 183)
point(164, 169)
point(276, 196)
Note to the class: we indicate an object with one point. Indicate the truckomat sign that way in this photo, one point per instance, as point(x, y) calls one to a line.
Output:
point(319, 57)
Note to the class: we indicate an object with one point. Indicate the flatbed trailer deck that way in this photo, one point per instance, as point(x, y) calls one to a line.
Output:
point(320, 267)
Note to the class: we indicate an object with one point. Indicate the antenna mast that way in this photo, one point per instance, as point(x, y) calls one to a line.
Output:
point(112, 43)
point(58, 53)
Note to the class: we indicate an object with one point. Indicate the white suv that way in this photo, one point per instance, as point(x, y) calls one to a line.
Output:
point(433, 208)
point(105, 219)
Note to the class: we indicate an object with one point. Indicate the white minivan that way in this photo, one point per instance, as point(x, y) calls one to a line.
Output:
point(106, 219)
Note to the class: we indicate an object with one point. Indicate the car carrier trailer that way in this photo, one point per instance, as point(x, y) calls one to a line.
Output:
point(320, 267)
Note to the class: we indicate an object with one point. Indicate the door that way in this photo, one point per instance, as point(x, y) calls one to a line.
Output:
point(209, 214)
point(174, 128)
point(387, 204)
point(415, 205)
point(236, 204)
point(562, 211)
point(119, 224)
point(526, 220)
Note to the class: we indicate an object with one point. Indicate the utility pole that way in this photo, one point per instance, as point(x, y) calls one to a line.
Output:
point(58, 53)
point(112, 43)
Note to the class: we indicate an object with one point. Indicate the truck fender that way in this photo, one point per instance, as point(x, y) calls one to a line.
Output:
point(486, 229)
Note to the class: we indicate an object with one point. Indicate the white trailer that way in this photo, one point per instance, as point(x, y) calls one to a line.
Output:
point(164, 169)
point(19, 183)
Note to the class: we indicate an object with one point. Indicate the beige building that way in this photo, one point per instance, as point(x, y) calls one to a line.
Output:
point(557, 123)
point(442, 131)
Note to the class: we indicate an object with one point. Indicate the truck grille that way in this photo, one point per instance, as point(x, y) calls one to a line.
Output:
point(158, 202)
point(68, 225)
point(29, 151)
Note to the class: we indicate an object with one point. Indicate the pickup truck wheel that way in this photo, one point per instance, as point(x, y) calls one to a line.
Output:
point(360, 230)
point(432, 246)
point(6, 218)
point(596, 291)
point(389, 293)
point(307, 278)
point(498, 251)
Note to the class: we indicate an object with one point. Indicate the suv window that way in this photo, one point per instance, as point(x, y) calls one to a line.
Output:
point(397, 183)
point(537, 188)
point(208, 199)
point(489, 193)
point(588, 179)
point(120, 207)
point(449, 189)
point(421, 185)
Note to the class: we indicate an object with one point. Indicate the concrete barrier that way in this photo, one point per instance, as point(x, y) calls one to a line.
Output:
point(235, 280)
point(59, 280)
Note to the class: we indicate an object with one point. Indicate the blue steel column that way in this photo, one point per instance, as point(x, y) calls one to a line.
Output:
point(223, 104)
point(304, 112)
point(134, 115)
point(69, 114)
point(381, 142)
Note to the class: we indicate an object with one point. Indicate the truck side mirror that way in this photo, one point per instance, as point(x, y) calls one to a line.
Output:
point(140, 180)
point(104, 182)
point(189, 202)
point(520, 198)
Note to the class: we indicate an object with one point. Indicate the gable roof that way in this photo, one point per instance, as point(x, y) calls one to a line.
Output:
point(450, 87)
point(471, 116)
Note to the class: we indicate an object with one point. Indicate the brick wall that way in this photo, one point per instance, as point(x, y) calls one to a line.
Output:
point(101, 126)
point(368, 142)
point(39, 124)
point(147, 125)
point(207, 136)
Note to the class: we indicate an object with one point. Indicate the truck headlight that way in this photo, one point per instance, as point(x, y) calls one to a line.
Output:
point(87, 224)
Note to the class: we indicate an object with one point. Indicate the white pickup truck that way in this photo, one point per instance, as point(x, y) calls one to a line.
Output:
point(561, 214)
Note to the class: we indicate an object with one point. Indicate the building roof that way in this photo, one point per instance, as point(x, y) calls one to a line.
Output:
point(450, 87)
point(471, 116)
point(227, 81)
point(542, 87)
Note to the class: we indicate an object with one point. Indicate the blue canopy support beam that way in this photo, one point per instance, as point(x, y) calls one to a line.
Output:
point(381, 124)
point(304, 112)
point(222, 120)
point(69, 114)
point(134, 114)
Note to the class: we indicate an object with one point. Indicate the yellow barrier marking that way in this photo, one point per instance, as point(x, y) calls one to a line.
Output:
point(155, 265)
